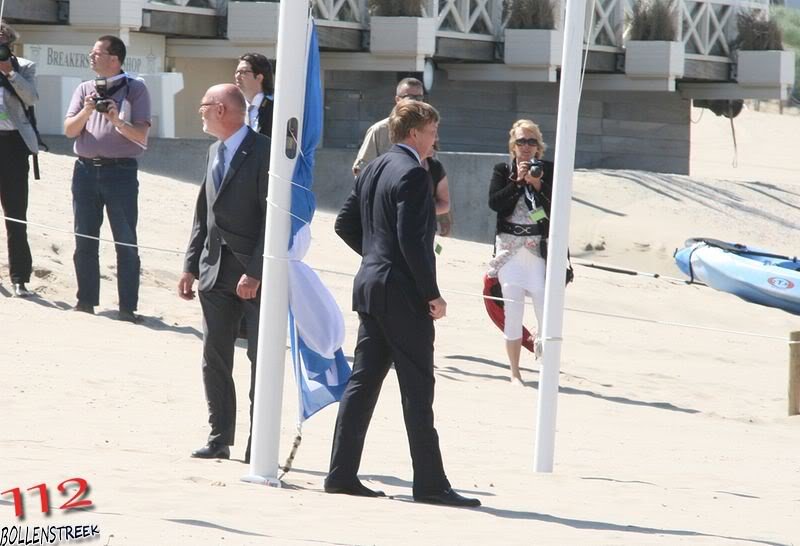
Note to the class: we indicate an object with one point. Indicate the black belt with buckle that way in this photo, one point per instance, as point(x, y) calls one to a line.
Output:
point(107, 161)
point(521, 230)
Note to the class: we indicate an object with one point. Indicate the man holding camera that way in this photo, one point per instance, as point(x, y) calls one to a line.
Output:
point(110, 119)
point(17, 141)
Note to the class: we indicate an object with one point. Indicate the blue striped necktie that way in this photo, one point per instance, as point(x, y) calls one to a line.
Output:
point(218, 172)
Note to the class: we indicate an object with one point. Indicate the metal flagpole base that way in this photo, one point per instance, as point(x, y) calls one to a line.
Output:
point(262, 480)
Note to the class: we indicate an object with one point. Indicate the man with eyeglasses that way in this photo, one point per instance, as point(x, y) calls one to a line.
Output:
point(254, 79)
point(376, 141)
point(110, 120)
point(225, 256)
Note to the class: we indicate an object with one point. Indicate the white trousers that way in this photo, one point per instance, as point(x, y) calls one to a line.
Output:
point(522, 274)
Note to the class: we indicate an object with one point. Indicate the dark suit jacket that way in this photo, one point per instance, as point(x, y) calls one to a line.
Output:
point(236, 215)
point(389, 219)
point(265, 112)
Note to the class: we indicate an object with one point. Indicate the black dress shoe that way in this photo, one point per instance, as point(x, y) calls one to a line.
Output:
point(448, 497)
point(20, 291)
point(84, 308)
point(212, 450)
point(129, 316)
point(357, 489)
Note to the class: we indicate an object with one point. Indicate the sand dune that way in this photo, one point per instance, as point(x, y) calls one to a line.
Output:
point(666, 434)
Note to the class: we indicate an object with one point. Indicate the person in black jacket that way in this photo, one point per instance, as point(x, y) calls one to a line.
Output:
point(520, 193)
point(389, 221)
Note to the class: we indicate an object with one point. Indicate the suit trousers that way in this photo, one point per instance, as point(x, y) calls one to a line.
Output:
point(14, 198)
point(404, 337)
point(223, 311)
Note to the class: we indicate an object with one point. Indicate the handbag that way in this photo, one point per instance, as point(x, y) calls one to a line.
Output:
point(570, 275)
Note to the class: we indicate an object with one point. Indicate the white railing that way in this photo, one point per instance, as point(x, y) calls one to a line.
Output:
point(706, 27)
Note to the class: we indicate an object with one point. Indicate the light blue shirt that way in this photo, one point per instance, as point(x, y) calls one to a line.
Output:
point(412, 150)
point(232, 144)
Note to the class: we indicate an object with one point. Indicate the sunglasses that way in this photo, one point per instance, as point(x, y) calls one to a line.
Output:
point(528, 141)
point(413, 97)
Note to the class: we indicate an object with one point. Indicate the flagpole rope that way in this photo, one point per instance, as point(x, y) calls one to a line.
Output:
point(451, 291)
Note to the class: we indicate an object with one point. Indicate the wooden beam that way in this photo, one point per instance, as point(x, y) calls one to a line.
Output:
point(730, 91)
point(465, 50)
point(180, 24)
point(706, 70)
point(340, 39)
point(31, 11)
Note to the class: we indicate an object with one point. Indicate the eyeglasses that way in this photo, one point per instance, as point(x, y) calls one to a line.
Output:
point(206, 104)
point(420, 98)
point(241, 72)
point(528, 141)
point(98, 53)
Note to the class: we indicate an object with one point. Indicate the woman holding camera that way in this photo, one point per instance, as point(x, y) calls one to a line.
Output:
point(520, 193)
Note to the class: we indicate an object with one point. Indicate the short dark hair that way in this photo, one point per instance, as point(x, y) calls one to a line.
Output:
point(408, 82)
point(261, 65)
point(116, 47)
point(410, 114)
point(9, 32)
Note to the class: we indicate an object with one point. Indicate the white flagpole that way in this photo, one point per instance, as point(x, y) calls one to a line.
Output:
point(566, 131)
point(290, 77)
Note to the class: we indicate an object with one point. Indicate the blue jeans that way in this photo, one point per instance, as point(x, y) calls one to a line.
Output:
point(116, 188)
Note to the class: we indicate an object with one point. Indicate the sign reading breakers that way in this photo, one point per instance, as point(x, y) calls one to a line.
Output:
point(66, 60)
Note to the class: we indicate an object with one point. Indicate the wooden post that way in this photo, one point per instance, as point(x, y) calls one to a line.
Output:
point(794, 373)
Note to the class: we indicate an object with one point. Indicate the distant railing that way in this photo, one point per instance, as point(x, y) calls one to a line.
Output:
point(706, 27)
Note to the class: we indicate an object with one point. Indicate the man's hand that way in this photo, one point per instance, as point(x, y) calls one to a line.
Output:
point(6, 67)
point(438, 308)
point(247, 288)
point(88, 103)
point(113, 114)
point(185, 284)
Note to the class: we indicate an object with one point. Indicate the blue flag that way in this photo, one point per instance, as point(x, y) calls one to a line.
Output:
point(321, 379)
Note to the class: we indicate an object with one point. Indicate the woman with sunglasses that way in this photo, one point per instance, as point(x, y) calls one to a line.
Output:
point(520, 193)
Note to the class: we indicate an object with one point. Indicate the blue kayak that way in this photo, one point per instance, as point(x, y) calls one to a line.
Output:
point(752, 274)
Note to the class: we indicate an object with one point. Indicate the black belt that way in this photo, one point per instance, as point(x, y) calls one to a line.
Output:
point(106, 161)
point(520, 230)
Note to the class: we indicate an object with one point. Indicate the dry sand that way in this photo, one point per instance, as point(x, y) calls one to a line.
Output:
point(666, 434)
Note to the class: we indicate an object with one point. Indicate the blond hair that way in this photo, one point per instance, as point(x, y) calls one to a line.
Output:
point(527, 125)
point(410, 114)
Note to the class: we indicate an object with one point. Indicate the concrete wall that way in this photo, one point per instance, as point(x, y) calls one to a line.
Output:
point(468, 176)
point(636, 130)
point(198, 75)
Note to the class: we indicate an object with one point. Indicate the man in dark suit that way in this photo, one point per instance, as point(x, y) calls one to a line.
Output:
point(225, 253)
point(254, 78)
point(389, 219)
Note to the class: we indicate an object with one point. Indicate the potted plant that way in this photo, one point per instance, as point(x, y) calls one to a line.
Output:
point(760, 58)
point(651, 49)
point(531, 38)
point(253, 21)
point(398, 27)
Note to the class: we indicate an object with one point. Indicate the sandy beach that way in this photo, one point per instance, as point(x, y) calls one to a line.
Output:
point(667, 433)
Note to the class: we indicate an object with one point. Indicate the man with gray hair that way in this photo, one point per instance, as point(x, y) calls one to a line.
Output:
point(18, 140)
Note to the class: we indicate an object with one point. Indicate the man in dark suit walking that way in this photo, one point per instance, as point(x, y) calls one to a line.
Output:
point(225, 253)
point(389, 219)
point(254, 78)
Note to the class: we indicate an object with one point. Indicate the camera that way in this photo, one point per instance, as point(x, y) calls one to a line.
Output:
point(101, 102)
point(5, 52)
point(535, 168)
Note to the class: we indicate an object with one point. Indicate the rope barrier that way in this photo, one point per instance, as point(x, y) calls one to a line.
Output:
point(459, 292)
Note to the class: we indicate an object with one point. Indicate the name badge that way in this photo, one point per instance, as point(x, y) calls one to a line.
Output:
point(538, 214)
